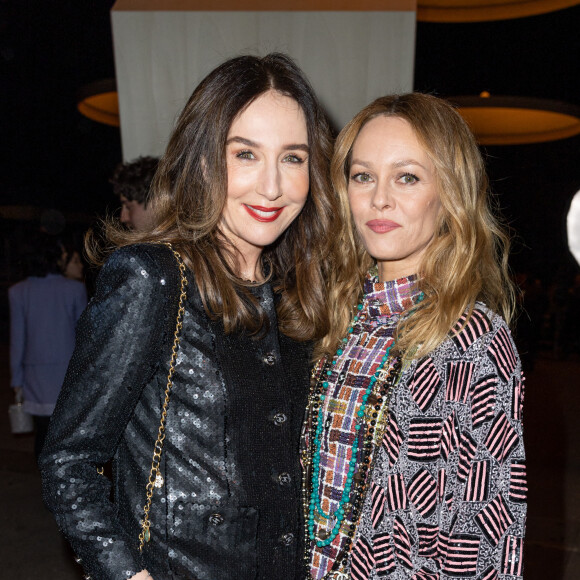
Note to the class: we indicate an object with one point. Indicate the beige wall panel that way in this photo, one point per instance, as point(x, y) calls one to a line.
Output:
point(349, 57)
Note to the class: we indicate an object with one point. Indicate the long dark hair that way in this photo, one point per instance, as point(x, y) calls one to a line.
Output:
point(189, 193)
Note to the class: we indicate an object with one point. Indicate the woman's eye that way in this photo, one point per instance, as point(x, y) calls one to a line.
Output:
point(408, 178)
point(292, 158)
point(245, 155)
point(361, 177)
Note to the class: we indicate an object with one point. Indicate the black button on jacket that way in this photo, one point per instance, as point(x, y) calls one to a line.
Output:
point(219, 513)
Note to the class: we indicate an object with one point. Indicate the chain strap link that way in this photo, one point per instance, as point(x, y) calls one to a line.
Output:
point(154, 473)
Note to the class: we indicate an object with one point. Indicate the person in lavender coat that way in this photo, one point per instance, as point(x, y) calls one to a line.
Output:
point(44, 309)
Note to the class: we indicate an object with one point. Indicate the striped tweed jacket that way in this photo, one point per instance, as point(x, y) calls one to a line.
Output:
point(447, 497)
point(447, 494)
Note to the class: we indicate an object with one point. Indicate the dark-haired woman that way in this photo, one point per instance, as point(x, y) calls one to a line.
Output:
point(414, 441)
point(191, 367)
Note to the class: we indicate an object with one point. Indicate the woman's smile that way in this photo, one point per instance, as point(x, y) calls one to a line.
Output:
point(263, 214)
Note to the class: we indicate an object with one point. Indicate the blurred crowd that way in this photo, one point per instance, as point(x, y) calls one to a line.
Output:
point(48, 281)
point(549, 317)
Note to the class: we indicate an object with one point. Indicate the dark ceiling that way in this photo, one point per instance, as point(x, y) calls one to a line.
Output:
point(55, 158)
point(538, 56)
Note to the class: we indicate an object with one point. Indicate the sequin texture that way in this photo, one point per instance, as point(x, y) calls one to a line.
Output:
point(219, 510)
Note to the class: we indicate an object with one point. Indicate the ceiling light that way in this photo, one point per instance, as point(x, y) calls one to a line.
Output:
point(483, 10)
point(517, 120)
point(99, 101)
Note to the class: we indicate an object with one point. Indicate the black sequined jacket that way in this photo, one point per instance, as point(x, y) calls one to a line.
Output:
point(229, 506)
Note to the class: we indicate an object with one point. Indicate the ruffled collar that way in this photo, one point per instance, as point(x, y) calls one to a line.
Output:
point(388, 298)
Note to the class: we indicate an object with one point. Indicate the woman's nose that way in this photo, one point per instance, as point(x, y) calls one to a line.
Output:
point(269, 184)
point(382, 197)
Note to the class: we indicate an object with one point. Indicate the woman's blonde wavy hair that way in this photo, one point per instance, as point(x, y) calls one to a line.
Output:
point(189, 192)
point(467, 260)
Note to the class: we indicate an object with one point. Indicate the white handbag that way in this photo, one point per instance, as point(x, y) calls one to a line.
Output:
point(20, 420)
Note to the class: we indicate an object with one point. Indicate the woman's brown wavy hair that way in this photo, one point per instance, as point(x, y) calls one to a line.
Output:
point(466, 261)
point(189, 193)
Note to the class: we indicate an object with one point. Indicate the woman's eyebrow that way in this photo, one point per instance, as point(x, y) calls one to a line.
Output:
point(359, 162)
point(243, 141)
point(301, 146)
point(396, 164)
point(249, 143)
point(405, 162)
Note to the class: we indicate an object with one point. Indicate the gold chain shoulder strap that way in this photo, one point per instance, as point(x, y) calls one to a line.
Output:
point(155, 477)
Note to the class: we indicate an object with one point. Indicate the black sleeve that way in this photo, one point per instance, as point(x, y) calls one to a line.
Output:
point(121, 337)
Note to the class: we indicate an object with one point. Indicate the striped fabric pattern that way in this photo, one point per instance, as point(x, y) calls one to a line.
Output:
point(428, 538)
point(449, 436)
point(502, 354)
point(458, 380)
point(441, 483)
point(467, 452)
point(464, 335)
point(396, 493)
point(490, 574)
point(502, 438)
point(378, 495)
point(425, 574)
point(425, 384)
point(477, 487)
point(424, 438)
point(423, 492)
point(392, 440)
point(518, 492)
point(402, 542)
point(483, 397)
point(518, 399)
point(384, 555)
point(494, 520)
point(512, 563)
point(462, 553)
point(362, 560)
point(442, 547)
point(449, 500)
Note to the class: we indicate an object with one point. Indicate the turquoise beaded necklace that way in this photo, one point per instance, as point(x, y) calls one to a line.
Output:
point(315, 506)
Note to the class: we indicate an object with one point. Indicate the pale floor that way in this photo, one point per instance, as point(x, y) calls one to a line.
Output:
point(31, 547)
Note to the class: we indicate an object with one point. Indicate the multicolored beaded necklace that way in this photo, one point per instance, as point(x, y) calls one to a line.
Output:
point(372, 407)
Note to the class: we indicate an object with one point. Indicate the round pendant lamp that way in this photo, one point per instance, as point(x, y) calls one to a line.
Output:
point(99, 101)
point(483, 10)
point(517, 120)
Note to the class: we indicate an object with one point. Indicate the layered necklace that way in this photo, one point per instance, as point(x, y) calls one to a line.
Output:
point(370, 421)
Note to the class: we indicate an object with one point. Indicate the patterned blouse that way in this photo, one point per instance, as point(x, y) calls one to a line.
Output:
point(446, 497)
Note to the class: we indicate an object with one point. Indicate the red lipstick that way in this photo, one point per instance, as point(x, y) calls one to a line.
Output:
point(263, 214)
point(382, 226)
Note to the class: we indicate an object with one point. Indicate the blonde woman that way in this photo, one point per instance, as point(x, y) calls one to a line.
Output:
point(413, 446)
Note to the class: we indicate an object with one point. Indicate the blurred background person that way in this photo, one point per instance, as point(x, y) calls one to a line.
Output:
point(131, 182)
point(72, 263)
point(44, 309)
